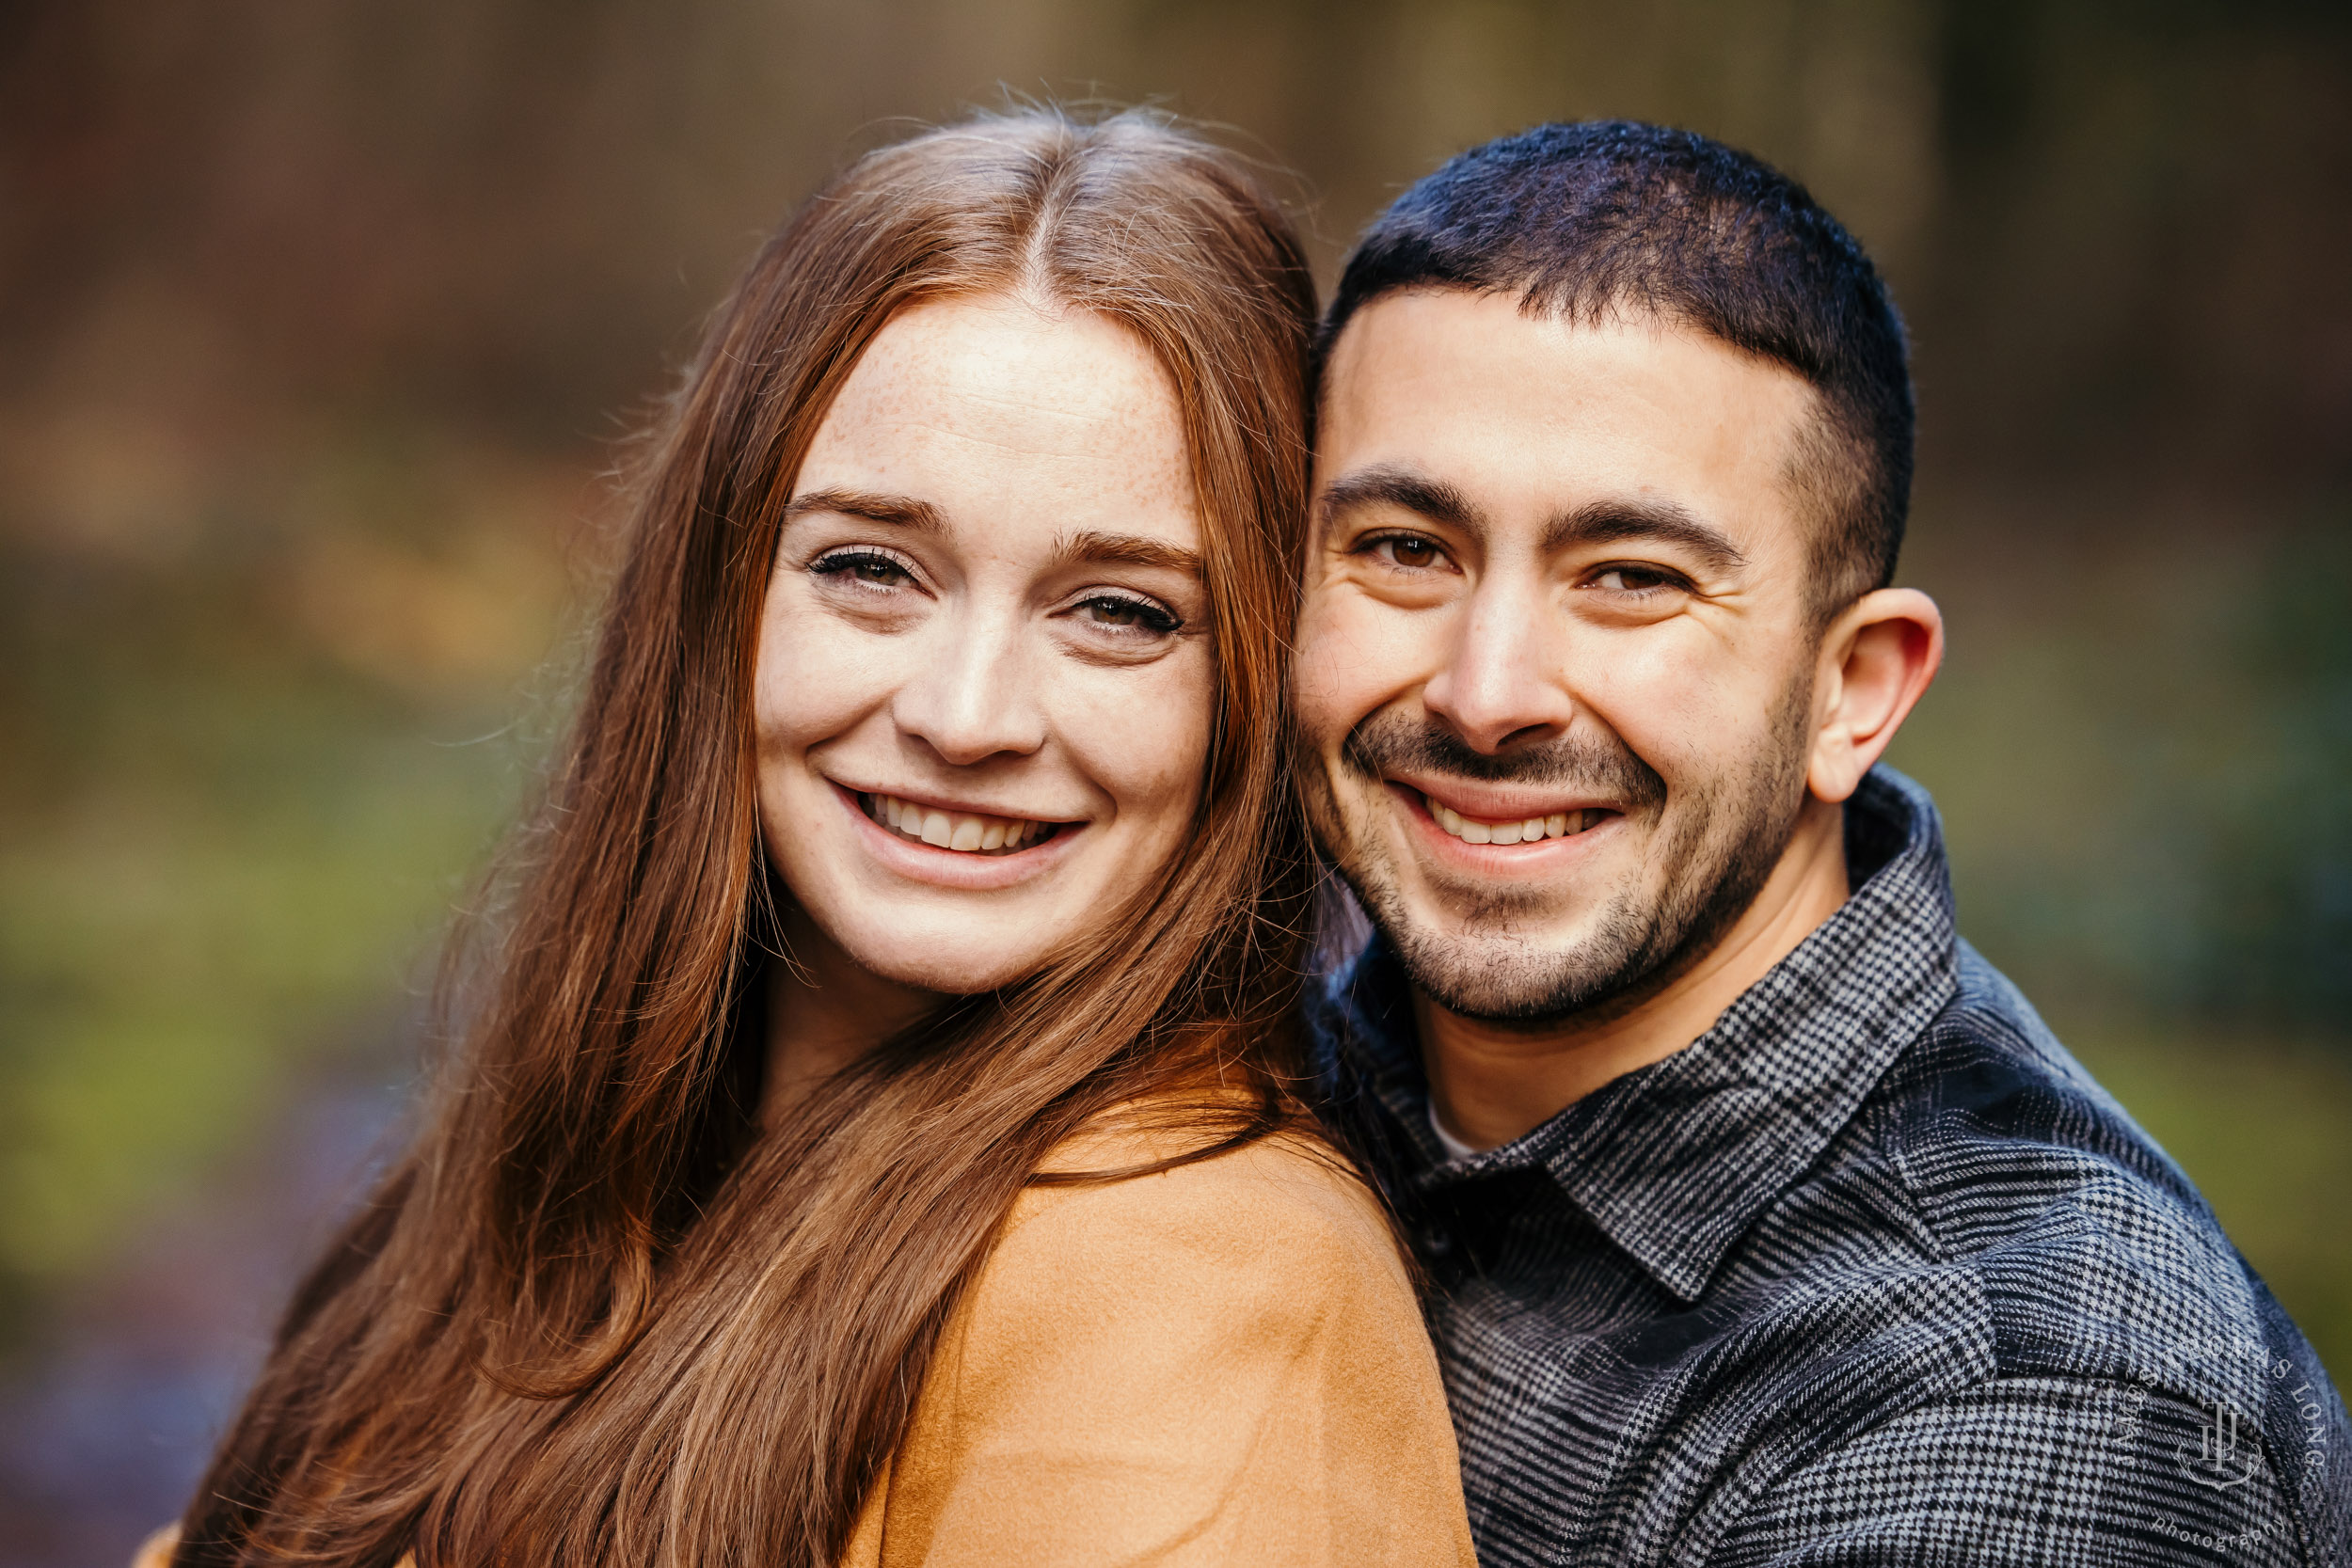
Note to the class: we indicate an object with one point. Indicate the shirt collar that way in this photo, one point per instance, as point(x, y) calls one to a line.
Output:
point(1675, 1161)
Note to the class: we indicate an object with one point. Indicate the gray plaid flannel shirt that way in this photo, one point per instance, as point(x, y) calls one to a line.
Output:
point(1872, 1274)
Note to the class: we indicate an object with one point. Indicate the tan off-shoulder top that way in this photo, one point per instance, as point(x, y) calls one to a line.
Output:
point(1219, 1364)
point(1222, 1364)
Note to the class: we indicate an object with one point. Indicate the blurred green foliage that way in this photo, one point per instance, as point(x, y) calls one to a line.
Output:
point(230, 839)
point(2145, 757)
point(2277, 925)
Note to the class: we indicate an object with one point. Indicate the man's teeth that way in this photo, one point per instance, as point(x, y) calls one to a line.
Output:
point(1470, 830)
point(953, 830)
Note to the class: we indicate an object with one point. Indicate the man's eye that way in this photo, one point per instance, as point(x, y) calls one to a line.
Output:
point(1632, 579)
point(1112, 610)
point(862, 566)
point(1408, 550)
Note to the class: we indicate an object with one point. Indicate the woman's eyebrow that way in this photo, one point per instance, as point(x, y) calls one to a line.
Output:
point(902, 510)
point(1126, 549)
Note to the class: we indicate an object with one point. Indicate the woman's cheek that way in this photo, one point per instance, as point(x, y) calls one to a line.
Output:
point(814, 676)
point(1144, 735)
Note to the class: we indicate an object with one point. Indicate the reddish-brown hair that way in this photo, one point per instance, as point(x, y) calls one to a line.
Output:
point(596, 1315)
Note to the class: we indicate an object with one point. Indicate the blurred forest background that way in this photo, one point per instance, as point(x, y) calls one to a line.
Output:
point(319, 325)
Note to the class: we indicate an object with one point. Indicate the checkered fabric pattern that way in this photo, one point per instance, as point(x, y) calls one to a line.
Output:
point(1872, 1274)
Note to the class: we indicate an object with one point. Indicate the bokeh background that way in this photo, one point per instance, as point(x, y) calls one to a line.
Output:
point(320, 323)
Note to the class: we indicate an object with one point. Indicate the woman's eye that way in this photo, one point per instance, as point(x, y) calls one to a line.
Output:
point(1114, 611)
point(1408, 550)
point(863, 566)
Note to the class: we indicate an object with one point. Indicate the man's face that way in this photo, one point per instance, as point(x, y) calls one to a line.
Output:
point(1554, 681)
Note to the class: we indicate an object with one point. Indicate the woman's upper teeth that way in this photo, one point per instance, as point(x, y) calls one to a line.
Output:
point(1471, 829)
point(953, 830)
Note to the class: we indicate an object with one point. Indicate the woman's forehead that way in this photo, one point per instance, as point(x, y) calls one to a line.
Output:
point(996, 412)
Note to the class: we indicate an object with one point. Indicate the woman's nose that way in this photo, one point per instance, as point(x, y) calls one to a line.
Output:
point(973, 695)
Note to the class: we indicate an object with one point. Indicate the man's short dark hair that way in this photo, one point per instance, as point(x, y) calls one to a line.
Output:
point(1613, 216)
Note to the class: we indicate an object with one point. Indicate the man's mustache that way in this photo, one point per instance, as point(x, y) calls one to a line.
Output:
point(1389, 743)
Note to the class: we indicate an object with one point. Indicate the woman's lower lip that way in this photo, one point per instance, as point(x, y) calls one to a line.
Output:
point(954, 869)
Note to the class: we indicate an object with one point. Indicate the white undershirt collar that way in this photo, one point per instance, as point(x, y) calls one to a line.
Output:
point(1454, 1147)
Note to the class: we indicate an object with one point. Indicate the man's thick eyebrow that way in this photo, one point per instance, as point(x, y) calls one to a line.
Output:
point(1126, 549)
point(1607, 522)
point(1432, 498)
point(904, 511)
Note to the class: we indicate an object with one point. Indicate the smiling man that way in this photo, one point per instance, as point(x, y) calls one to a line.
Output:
point(1769, 1224)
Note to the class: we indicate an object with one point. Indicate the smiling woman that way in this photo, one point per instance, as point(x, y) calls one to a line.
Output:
point(879, 1143)
point(987, 617)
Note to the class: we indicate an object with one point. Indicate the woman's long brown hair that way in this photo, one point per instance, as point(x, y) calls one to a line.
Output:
point(596, 1315)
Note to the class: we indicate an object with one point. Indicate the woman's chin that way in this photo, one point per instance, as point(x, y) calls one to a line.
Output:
point(962, 963)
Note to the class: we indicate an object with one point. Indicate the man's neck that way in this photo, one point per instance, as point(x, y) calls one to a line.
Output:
point(1490, 1082)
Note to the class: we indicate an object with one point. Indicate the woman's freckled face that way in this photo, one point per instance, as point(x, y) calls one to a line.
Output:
point(985, 667)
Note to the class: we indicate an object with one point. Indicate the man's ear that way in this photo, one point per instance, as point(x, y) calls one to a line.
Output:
point(1876, 662)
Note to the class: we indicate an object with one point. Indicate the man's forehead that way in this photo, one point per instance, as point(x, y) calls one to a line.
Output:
point(1550, 365)
point(1538, 412)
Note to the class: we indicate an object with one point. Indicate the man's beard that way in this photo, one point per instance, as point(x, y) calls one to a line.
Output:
point(1725, 835)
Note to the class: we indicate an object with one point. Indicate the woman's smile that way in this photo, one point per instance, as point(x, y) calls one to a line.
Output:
point(960, 831)
point(933, 842)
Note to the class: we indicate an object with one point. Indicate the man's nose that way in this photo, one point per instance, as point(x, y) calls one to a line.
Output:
point(1503, 682)
point(973, 695)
